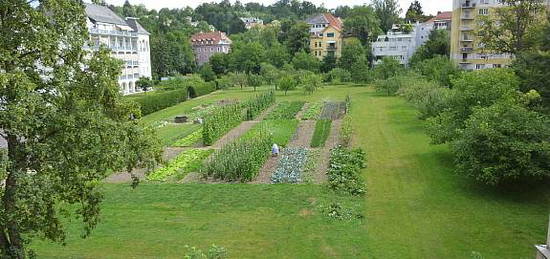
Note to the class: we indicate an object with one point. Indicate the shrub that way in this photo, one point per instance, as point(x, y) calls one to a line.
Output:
point(214, 252)
point(339, 75)
point(428, 97)
point(285, 110)
point(439, 69)
point(320, 136)
point(336, 211)
point(344, 173)
point(240, 160)
point(151, 102)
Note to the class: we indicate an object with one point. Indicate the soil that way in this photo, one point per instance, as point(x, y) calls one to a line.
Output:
point(303, 135)
point(264, 177)
point(324, 160)
point(300, 114)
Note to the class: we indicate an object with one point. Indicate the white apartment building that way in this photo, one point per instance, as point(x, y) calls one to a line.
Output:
point(401, 46)
point(128, 41)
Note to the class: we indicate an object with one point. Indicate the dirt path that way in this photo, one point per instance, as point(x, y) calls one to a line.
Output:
point(333, 139)
point(303, 135)
point(300, 114)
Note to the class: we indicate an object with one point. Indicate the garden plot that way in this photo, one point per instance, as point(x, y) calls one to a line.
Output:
point(285, 110)
point(186, 162)
point(312, 111)
point(290, 166)
point(333, 111)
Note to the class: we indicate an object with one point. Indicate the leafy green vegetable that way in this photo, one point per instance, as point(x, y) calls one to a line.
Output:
point(322, 130)
point(186, 162)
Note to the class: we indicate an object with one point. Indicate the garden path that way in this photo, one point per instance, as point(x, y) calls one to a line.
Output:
point(333, 140)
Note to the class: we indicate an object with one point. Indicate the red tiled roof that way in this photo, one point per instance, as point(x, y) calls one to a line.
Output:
point(215, 36)
point(334, 21)
point(444, 16)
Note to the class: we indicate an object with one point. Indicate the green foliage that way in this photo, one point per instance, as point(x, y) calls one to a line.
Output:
point(429, 97)
point(504, 143)
point(471, 90)
point(207, 73)
point(171, 54)
point(387, 68)
point(305, 61)
point(339, 75)
point(344, 173)
point(439, 69)
point(363, 23)
point(240, 160)
point(352, 52)
point(254, 107)
point(145, 83)
point(313, 110)
point(186, 162)
point(532, 69)
point(269, 73)
point(286, 83)
point(438, 44)
point(388, 12)
point(346, 132)
point(64, 122)
point(281, 131)
point(361, 72)
point(311, 82)
point(278, 55)
point(320, 135)
point(255, 80)
point(329, 63)
point(190, 139)
point(285, 110)
point(336, 211)
point(298, 38)
point(415, 13)
point(247, 57)
point(219, 63)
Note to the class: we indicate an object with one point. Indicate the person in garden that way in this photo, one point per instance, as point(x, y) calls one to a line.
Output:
point(275, 150)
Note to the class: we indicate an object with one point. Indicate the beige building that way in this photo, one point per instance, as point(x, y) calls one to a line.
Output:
point(326, 36)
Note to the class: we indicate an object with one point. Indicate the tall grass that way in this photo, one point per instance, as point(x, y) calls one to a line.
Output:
point(322, 130)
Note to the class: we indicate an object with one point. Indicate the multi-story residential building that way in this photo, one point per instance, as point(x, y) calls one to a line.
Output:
point(466, 50)
point(401, 45)
point(326, 35)
point(251, 22)
point(207, 44)
point(128, 41)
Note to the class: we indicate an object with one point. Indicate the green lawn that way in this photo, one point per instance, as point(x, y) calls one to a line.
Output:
point(416, 206)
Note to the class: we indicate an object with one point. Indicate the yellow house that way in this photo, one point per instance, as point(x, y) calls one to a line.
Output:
point(465, 46)
point(326, 36)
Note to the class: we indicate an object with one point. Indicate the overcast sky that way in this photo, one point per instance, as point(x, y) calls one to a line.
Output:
point(429, 6)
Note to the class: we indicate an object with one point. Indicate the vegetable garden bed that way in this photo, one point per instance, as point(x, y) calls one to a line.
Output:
point(313, 111)
point(186, 162)
point(281, 130)
point(322, 130)
point(290, 166)
point(285, 110)
point(333, 110)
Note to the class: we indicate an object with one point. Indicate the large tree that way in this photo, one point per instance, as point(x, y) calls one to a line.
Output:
point(415, 13)
point(65, 124)
point(438, 44)
point(363, 23)
point(512, 28)
point(388, 12)
point(171, 54)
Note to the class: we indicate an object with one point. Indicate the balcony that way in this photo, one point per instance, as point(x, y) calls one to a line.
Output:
point(464, 61)
point(468, 5)
point(467, 49)
point(111, 32)
point(466, 28)
point(467, 17)
point(331, 48)
point(466, 39)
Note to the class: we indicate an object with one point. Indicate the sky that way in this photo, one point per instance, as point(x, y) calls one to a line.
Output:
point(429, 6)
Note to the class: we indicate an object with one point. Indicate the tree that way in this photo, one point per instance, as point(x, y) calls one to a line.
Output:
point(278, 55)
point(439, 69)
point(361, 72)
point(247, 57)
point(415, 13)
point(310, 82)
point(171, 54)
point(219, 63)
point(339, 75)
point(328, 63)
point(270, 73)
point(438, 44)
point(207, 73)
point(471, 90)
point(387, 68)
point(298, 38)
point(363, 24)
point(388, 12)
point(305, 61)
point(65, 123)
point(512, 28)
point(532, 69)
point(238, 79)
point(286, 83)
point(352, 51)
point(145, 83)
point(254, 80)
point(504, 143)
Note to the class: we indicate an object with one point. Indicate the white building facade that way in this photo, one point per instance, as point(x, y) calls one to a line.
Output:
point(128, 41)
point(397, 45)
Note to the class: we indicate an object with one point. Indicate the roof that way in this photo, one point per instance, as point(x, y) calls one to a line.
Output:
point(132, 22)
point(215, 36)
point(444, 16)
point(326, 18)
point(103, 14)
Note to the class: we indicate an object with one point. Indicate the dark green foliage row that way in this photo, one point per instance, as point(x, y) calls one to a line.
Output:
point(155, 101)
point(285, 111)
point(227, 117)
point(344, 173)
point(320, 136)
point(240, 160)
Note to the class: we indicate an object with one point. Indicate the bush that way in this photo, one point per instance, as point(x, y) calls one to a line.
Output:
point(344, 173)
point(339, 75)
point(504, 143)
point(151, 102)
point(429, 97)
point(439, 69)
point(240, 160)
point(322, 130)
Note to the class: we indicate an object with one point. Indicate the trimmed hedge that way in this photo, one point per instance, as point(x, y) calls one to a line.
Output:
point(155, 101)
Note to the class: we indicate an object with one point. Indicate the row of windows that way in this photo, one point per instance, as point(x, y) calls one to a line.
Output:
point(329, 35)
point(212, 49)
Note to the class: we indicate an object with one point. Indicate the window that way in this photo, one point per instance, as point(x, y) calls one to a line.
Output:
point(480, 66)
point(330, 34)
point(484, 11)
point(497, 65)
point(320, 44)
point(320, 35)
point(484, 1)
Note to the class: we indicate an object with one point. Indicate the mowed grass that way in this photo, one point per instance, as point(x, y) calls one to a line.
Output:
point(418, 207)
point(251, 221)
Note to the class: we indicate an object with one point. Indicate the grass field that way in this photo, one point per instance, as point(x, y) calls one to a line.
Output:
point(416, 206)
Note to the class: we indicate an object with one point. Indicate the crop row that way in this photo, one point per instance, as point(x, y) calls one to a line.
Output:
point(190, 140)
point(223, 119)
point(344, 173)
point(333, 110)
point(285, 110)
point(240, 160)
point(280, 130)
point(290, 166)
point(313, 110)
point(186, 162)
point(320, 135)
